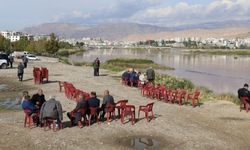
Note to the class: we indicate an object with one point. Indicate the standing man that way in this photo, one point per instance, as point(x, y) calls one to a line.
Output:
point(150, 74)
point(11, 60)
point(98, 65)
point(95, 65)
point(25, 61)
point(20, 71)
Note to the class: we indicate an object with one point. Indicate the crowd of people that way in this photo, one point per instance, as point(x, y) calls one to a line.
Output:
point(133, 77)
point(40, 109)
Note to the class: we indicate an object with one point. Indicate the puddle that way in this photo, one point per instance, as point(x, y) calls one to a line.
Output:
point(3, 87)
point(144, 143)
point(11, 104)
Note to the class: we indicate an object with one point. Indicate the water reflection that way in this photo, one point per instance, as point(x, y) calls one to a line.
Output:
point(220, 73)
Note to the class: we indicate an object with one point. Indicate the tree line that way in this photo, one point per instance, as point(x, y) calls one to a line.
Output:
point(42, 46)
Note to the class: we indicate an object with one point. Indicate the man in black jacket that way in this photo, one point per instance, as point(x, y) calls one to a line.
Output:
point(150, 75)
point(244, 92)
point(74, 115)
point(38, 99)
point(93, 101)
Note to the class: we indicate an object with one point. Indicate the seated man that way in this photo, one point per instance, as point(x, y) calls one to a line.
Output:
point(126, 75)
point(38, 98)
point(133, 77)
point(107, 99)
point(244, 92)
point(75, 116)
point(28, 105)
point(93, 101)
point(51, 109)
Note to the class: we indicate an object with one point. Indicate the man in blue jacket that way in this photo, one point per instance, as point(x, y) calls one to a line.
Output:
point(27, 104)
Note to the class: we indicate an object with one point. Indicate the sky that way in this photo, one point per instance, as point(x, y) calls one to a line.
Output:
point(18, 14)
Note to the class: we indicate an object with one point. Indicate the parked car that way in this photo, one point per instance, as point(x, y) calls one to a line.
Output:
point(5, 57)
point(19, 54)
point(3, 63)
point(32, 57)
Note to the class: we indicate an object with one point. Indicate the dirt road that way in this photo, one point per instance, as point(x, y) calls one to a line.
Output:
point(214, 125)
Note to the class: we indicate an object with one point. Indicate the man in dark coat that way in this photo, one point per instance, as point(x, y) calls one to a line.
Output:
point(244, 92)
point(150, 74)
point(93, 101)
point(38, 99)
point(98, 65)
point(74, 115)
point(20, 71)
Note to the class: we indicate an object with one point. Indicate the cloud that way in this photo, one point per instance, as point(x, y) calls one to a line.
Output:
point(160, 13)
point(184, 13)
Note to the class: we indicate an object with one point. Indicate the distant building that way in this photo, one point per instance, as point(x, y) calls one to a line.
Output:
point(14, 36)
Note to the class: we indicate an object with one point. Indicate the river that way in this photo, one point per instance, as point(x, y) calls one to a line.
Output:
point(220, 73)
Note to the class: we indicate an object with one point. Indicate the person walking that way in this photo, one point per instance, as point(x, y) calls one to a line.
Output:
point(20, 71)
point(244, 92)
point(11, 60)
point(25, 61)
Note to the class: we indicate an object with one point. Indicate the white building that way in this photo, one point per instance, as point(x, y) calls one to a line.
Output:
point(14, 36)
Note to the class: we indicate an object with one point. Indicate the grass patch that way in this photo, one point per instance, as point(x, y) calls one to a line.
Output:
point(67, 52)
point(121, 64)
point(65, 60)
point(173, 82)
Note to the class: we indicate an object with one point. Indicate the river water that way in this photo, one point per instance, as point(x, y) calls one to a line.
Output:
point(220, 73)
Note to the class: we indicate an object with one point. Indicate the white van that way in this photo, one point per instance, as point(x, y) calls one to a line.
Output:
point(19, 54)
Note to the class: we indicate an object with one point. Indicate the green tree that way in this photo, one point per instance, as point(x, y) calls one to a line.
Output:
point(52, 45)
point(4, 44)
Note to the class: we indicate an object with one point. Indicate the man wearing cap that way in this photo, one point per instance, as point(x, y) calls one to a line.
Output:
point(244, 92)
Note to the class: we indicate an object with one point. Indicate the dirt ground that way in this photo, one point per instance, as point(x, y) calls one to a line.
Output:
point(214, 125)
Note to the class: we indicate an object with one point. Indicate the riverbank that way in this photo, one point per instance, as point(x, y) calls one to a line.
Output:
point(214, 125)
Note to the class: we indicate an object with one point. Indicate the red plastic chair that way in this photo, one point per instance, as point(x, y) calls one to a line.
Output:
point(110, 111)
point(44, 74)
point(168, 95)
point(28, 119)
point(94, 112)
point(180, 97)
point(146, 109)
point(83, 114)
point(125, 81)
point(120, 105)
point(194, 97)
point(244, 104)
point(51, 121)
point(129, 110)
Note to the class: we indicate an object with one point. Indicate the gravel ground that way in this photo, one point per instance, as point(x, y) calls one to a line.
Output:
point(214, 125)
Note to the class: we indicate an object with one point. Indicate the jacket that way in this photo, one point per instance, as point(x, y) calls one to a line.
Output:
point(38, 98)
point(20, 69)
point(93, 102)
point(81, 104)
point(29, 105)
point(150, 74)
point(51, 109)
point(243, 92)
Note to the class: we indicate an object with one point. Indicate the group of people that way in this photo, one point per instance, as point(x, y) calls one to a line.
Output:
point(40, 109)
point(133, 77)
point(244, 92)
point(93, 102)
